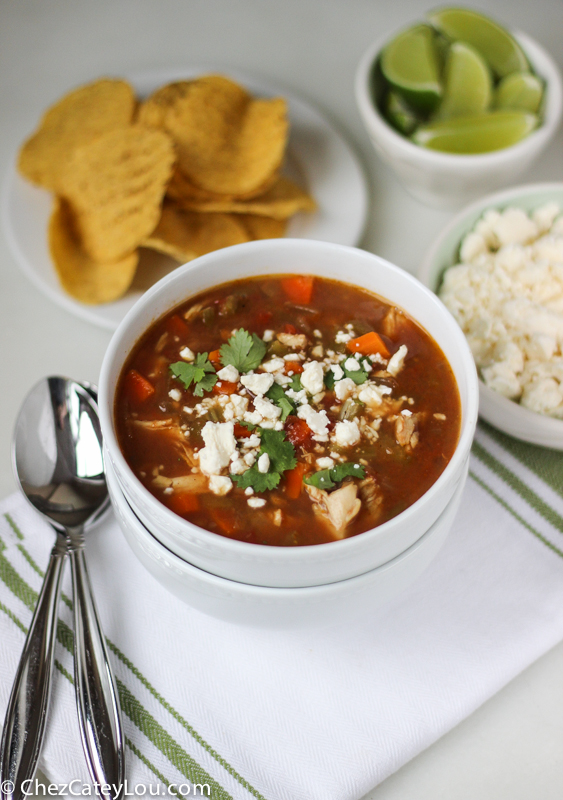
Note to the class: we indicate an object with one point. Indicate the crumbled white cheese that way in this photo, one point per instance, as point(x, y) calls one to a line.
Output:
point(220, 484)
point(344, 388)
point(342, 337)
point(256, 502)
point(267, 336)
point(228, 373)
point(258, 383)
point(316, 420)
point(397, 360)
point(318, 351)
point(347, 433)
point(274, 365)
point(187, 354)
point(325, 463)
point(220, 444)
point(351, 364)
point(509, 302)
point(312, 377)
point(264, 463)
point(248, 491)
point(337, 371)
point(175, 394)
point(297, 341)
point(266, 408)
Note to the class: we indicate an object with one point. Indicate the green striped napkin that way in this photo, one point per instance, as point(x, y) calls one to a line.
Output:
point(301, 715)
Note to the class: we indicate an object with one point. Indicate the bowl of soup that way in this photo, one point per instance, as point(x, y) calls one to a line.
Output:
point(288, 413)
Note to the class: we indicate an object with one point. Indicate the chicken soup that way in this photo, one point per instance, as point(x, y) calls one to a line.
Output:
point(288, 410)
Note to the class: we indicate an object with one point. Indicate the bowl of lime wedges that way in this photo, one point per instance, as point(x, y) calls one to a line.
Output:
point(457, 105)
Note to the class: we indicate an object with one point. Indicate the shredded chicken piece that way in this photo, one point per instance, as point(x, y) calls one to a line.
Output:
point(406, 432)
point(297, 341)
point(339, 507)
point(159, 346)
point(196, 483)
point(155, 424)
point(392, 322)
point(172, 429)
point(193, 311)
point(277, 517)
point(372, 496)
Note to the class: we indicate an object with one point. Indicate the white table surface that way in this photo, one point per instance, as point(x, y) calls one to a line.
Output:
point(513, 746)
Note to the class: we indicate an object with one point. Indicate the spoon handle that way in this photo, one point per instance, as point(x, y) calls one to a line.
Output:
point(24, 725)
point(99, 713)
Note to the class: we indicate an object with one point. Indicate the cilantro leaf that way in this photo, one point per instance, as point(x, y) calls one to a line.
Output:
point(296, 384)
point(282, 458)
point(200, 372)
point(279, 397)
point(329, 379)
point(243, 351)
point(328, 478)
point(359, 376)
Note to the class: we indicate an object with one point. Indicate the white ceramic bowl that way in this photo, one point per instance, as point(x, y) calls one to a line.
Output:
point(261, 606)
point(316, 564)
point(504, 414)
point(447, 180)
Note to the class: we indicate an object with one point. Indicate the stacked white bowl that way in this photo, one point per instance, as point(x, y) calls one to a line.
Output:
point(287, 586)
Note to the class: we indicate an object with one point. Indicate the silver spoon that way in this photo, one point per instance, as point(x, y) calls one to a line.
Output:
point(58, 464)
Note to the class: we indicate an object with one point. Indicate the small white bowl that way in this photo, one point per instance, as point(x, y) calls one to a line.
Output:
point(448, 180)
point(269, 607)
point(504, 414)
point(264, 565)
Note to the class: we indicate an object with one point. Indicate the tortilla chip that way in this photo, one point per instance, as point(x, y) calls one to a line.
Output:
point(181, 188)
point(86, 280)
point(185, 235)
point(263, 227)
point(152, 111)
point(227, 142)
point(115, 186)
point(79, 117)
point(281, 201)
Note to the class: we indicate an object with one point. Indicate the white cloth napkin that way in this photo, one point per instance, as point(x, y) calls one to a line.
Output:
point(305, 715)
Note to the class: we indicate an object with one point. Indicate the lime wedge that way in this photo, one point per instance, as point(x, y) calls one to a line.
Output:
point(480, 133)
point(410, 65)
point(467, 83)
point(521, 90)
point(399, 114)
point(499, 49)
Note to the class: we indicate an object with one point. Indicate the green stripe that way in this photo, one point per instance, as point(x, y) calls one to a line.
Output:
point(147, 763)
point(154, 731)
point(129, 703)
point(172, 711)
point(516, 516)
point(547, 464)
point(527, 494)
point(13, 526)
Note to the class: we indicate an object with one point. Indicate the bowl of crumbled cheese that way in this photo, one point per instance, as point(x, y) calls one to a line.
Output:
point(498, 268)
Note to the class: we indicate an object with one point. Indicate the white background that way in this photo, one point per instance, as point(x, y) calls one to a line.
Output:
point(513, 746)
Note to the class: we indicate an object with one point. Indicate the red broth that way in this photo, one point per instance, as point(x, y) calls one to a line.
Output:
point(287, 410)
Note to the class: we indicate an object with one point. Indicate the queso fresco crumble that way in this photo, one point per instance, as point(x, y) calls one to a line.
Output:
point(507, 296)
point(287, 411)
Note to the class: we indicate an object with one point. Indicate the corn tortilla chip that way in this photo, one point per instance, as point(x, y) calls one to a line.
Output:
point(227, 142)
point(152, 112)
point(88, 281)
point(185, 235)
point(79, 117)
point(181, 188)
point(115, 186)
point(263, 227)
point(280, 201)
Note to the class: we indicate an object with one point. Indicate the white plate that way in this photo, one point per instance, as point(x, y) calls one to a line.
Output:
point(317, 154)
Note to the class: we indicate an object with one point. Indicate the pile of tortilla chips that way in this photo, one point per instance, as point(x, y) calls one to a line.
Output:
point(193, 168)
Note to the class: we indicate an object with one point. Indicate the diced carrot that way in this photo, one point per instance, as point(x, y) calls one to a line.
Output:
point(225, 387)
point(368, 344)
point(177, 327)
point(137, 387)
point(297, 430)
point(299, 288)
point(182, 502)
point(215, 358)
point(225, 521)
point(289, 328)
point(263, 318)
point(293, 368)
point(294, 481)
point(241, 432)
